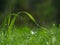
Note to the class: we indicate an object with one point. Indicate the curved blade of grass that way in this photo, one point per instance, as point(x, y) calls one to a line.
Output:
point(30, 16)
point(13, 20)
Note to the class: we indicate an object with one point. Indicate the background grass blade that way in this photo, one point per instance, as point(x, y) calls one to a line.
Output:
point(9, 19)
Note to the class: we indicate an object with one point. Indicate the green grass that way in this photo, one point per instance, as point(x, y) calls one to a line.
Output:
point(13, 35)
point(27, 36)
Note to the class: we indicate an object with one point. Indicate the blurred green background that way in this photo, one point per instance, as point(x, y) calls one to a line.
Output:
point(45, 12)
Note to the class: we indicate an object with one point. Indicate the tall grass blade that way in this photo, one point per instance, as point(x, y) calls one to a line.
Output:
point(30, 16)
point(12, 23)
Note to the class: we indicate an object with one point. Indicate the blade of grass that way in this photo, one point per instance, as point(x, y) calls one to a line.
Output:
point(12, 23)
point(5, 22)
point(9, 20)
point(30, 16)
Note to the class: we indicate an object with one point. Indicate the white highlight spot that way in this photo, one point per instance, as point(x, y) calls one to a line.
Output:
point(32, 32)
